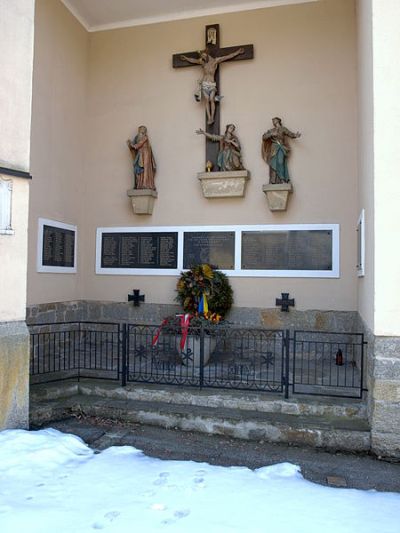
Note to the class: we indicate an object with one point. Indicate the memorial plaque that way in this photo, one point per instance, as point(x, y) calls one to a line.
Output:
point(287, 250)
point(214, 247)
point(58, 247)
point(139, 250)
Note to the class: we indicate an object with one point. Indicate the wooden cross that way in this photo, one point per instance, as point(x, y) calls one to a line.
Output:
point(284, 302)
point(213, 49)
point(136, 297)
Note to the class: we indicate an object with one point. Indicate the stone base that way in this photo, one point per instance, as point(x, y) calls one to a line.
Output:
point(150, 313)
point(384, 397)
point(14, 375)
point(277, 195)
point(142, 200)
point(224, 184)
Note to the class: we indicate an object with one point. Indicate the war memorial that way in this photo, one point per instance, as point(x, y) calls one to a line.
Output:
point(202, 210)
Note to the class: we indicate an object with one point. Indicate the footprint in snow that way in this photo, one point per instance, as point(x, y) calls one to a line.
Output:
point(110, 517)
point(162, 479)
point(178, 514)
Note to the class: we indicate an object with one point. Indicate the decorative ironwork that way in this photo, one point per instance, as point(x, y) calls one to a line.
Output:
point(234, 358)
point(328, 363)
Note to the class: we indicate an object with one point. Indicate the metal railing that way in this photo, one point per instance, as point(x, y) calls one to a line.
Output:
point(304, 362)
point(329, 364)
point(68, 350)
point(226, 357)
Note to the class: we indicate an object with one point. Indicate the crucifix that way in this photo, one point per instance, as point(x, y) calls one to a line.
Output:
point(208, 86)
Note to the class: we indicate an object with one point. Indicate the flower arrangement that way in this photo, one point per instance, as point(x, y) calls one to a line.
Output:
point(205, 291)
point(206, 296)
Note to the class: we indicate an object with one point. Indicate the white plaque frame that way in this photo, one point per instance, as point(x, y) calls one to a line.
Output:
point(237, 271)
point(40, 267)
point(6, 190)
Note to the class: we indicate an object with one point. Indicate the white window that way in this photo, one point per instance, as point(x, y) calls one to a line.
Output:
point(6, 186)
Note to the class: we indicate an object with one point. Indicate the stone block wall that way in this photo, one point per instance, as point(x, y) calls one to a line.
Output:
point(14, 375)
point(98, 311)
point(384, 403)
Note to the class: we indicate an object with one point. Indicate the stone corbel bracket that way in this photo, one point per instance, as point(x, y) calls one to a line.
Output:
point(142, 200)
point(277, 195)
point(228, 184)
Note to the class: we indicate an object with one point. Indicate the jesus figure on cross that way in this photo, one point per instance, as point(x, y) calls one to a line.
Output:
point(207, 84)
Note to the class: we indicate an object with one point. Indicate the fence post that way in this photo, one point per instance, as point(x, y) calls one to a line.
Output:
point(363, 344)
point(201, 355)
point(79, 351)
point(287, 361)
point(124, 342)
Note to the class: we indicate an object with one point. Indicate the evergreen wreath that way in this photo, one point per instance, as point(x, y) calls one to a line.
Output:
point(200, 280)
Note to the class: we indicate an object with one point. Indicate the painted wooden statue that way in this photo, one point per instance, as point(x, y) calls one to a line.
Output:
point(144, 165)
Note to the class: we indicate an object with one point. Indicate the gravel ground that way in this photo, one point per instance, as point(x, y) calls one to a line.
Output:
point(340, 469)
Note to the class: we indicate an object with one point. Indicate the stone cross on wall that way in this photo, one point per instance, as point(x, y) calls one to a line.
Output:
point(209, 60)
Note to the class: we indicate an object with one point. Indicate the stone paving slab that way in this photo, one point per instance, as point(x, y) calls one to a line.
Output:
point(327, 432)
point(213, 398)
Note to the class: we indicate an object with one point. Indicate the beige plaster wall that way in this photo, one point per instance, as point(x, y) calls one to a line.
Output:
point(304, 70)
point(58, 138)
point(16, 52)
point(366, 155)
point(386, 40)
point(14, 255)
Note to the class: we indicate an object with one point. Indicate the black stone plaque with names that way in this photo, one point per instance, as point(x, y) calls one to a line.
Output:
point(214, 247)
point(58, 247)
point(287, 250)
point(139, 250)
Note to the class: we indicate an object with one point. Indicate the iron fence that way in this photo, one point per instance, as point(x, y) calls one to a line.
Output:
point(226, 357)
point(331, 363)
point(277, 361)
point(68, 350)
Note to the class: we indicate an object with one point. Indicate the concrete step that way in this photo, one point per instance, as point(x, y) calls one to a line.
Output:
point(328, 432)
point(212, 398)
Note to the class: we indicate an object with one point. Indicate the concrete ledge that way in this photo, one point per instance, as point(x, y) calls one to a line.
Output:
point(212, 398)
point(320, 432)
point(331, 424)
point(277, 195)
point(142, 200)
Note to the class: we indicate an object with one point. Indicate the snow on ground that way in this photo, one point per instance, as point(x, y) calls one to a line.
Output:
point(51, 482)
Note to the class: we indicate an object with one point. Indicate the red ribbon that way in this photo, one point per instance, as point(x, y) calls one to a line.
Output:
point(156, 336)
point(185, 322)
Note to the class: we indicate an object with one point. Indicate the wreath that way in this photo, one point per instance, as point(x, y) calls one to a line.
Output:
point(203, 286)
